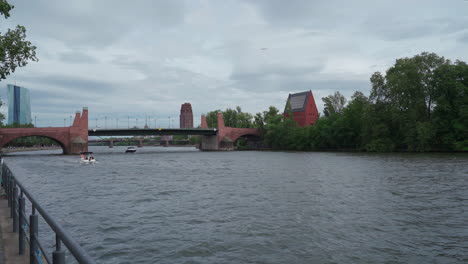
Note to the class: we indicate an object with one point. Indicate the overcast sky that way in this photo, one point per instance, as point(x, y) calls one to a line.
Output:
point(146, 57)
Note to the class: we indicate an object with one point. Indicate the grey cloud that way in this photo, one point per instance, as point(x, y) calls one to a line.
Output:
point(73, 84)
point(281, 11)
point(77, 57)
point(128, 62)
point(395, 20)
point(275, 71)
point(463, 38)
point(395, 30)
point(402, 30)
point(94, 23)
point(303, 84)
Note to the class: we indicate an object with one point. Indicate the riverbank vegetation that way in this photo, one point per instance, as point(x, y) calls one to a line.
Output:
point(419, 104)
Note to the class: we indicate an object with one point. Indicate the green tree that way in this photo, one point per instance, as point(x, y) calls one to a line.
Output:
point(406, 94)
point(212, 118)
point(232, 118)
point(15, 50)
point(333, 103)
point(450, 115)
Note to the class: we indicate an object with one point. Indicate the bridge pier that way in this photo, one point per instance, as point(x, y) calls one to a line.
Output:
point(111, 143)
point(209, 143)
point(140, 143)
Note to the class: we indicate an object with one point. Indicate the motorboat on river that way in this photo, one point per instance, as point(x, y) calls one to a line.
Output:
point(131, 150)
point(87, 158)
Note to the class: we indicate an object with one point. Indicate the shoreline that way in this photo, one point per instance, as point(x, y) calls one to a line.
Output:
point(6, 150)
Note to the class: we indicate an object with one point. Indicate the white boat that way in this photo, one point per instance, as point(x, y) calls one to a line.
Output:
point(131, 150)
point(87, 158)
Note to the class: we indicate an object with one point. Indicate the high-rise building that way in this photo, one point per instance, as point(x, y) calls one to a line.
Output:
point(303, 108)
point(186, 116)
point(19, 105)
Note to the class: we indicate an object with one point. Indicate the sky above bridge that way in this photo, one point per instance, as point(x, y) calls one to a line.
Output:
point(145, 58)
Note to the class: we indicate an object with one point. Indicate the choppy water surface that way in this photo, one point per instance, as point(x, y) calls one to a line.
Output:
point(179, 205)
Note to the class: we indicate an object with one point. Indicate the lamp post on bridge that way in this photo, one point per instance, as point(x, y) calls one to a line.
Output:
point(128, 121)
point(64, 125)
point(96, 122)
point(35, 121)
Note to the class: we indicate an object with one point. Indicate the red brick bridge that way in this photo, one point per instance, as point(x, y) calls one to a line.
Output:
point(226, 136)
point(74, 139)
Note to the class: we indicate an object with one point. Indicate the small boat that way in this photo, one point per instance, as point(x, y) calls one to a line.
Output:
point(87, 158)
point(131, 150)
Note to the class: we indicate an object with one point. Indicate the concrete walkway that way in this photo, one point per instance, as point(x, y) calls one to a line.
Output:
point(8, 239)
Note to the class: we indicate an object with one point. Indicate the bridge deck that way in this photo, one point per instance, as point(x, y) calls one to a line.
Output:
point(152, 131)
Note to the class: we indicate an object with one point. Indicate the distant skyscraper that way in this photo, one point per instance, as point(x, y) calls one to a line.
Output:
point(186, 116)
point(19, 105)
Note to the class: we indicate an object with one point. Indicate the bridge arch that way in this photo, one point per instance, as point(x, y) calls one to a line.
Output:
point(247, 141)
point(10, 139)
point(248, 137)
point(226, 136)
point(73, 139)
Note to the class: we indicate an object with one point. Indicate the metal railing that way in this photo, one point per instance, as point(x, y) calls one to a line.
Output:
point(21, 225)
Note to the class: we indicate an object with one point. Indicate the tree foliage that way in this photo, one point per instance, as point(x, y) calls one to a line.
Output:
point(419, 104)
point(333, 103)
point(232, 118)
point(32, 141)
point(15, 50)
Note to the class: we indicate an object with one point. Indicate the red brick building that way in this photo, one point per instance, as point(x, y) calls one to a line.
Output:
point(186, 116)
point(303, 108)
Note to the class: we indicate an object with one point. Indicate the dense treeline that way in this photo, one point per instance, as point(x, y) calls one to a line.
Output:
point(32, 141)
point(420, 104)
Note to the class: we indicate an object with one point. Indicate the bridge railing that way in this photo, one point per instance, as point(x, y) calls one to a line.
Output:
point(29, 230)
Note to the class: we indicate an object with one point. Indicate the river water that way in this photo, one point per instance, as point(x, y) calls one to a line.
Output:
point(180, 205)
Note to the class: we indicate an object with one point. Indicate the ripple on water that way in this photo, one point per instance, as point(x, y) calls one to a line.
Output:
point(176, 206)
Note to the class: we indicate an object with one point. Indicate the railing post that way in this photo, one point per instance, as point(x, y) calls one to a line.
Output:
point(3, 175)
point(58, 256)
point(21, 224)
point(13, 207)
point(10, 190)
point(33, 235)
point(7, 189)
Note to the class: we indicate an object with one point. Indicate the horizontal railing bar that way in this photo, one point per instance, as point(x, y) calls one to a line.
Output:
point(76, 250)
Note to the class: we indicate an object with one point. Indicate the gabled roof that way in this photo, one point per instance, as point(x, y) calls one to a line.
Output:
point(298, 101)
